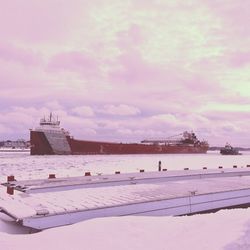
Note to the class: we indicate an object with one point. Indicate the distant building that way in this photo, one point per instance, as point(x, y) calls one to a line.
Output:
point(20, 143)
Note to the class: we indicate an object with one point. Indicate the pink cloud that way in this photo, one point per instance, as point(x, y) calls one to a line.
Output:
point(234, 16)
point(14, 54)
point(119, 110)
point(232, 98)
point(162, 78)
point(130, 38)
point(240, 59)
point(40, 21)
point(157, 82)
point(74, 61)
point(134, 70)
point(83, 111)
point(98, 66)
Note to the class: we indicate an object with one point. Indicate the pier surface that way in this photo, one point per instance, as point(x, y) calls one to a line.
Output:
point(55, 202)
point(100, 180)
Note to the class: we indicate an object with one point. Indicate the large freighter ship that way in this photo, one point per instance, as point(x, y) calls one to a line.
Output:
point(50, 139)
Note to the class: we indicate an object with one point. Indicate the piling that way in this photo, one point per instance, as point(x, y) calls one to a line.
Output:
point(10, 178)
point(10, 190)
point(159, 166)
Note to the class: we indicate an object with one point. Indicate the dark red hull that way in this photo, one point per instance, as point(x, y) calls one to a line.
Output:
point(41, 145)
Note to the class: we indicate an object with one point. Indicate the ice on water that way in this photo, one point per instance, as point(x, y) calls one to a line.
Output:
point(23, 166)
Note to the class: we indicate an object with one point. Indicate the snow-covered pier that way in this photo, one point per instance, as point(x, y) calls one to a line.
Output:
point(99, 180)
point(55, 202)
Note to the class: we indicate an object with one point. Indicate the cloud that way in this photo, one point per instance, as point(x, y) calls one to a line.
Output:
point(11, 53)
point(83, 111)
point(125, 131)
point(234, 17)
point(5, 129)
point(40, 21)
point(240, 59)
point(165, 118)
point(74, 61)
point(126, 70)
point(120, 110)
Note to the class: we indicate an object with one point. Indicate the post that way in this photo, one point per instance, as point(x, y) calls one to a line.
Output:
point(10, 190)
point(159, 166)
point(10, 178)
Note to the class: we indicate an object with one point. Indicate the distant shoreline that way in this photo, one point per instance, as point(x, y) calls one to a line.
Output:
point(14, 150)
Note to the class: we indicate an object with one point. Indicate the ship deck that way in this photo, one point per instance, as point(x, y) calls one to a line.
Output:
point(56, 202)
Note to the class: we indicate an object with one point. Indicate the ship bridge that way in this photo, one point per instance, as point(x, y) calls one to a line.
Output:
point(51, 121)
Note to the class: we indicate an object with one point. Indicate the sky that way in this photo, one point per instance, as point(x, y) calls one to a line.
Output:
point(126, 70)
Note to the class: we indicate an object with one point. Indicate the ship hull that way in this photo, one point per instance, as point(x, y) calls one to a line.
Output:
point(39, 144)
point(42, 144)
point(229, 152)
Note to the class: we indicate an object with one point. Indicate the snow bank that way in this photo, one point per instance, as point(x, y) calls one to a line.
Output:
point(227, 229)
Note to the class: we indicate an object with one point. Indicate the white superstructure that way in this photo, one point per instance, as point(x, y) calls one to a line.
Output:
point(56, 136)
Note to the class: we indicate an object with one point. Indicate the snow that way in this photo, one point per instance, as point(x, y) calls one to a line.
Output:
point(23, 166)
point(21, 205)
point(226, 229)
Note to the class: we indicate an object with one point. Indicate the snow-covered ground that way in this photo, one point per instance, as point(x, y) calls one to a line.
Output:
point(226, 229)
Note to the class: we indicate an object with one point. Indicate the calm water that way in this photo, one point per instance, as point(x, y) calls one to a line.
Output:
point(24, 166)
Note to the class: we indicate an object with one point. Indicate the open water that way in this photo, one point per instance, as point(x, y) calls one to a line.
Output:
point(24, 166)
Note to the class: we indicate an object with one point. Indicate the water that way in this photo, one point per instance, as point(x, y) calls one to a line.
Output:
point(24, 166)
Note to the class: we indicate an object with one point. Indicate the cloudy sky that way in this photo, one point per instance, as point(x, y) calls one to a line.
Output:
point(125, 70)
